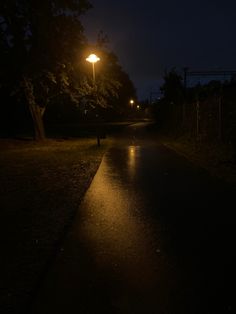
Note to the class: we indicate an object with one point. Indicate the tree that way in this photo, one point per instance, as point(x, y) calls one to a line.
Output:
point(125, 89)
point(42, 41)
point(173, 89)
point(113, 87)
point(170, 108)
point(43, 57)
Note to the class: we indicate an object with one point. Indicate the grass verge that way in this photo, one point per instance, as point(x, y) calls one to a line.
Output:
point(218, 159)
point(41, 188)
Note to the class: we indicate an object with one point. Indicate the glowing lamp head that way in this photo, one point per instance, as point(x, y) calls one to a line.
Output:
point(131, 101)
point(92, 58)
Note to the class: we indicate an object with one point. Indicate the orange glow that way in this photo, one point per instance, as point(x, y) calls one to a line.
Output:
point(111, 225)
point(92, 58)
point(133, 153)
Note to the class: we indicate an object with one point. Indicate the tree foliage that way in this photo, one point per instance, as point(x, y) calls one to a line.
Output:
point(42, 41)
point(43, 51)
point(173, 89)
point(204, 112)
point(113, 87)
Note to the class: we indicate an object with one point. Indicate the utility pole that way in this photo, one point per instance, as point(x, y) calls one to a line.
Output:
point(185, 77)
point(220, 115)
point(185, 96)
point(198, 117)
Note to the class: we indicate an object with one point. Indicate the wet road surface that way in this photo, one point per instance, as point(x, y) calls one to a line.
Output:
point(154, 234)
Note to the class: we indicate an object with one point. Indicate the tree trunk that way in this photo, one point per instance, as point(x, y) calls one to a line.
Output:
point(35, 110)
point(37, 116)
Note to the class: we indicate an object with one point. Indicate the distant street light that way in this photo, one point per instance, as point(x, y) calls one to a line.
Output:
point(93, 59)
point(131, 102)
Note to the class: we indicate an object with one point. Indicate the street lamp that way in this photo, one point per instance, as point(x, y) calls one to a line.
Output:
point(131, 102)
point(93, 59)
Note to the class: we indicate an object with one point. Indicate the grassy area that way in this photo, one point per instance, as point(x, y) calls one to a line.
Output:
point(41, 188)
point(218, 159)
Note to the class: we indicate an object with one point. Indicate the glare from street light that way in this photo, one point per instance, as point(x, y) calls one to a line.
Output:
point(131, 103)
point(92, 58)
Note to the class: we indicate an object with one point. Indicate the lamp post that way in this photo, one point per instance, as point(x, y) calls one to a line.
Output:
point(93, 59)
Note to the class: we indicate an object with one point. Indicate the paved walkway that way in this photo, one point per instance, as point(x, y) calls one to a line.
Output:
point(154, 234)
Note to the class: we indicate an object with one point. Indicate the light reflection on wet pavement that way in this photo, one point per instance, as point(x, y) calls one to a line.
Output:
point(139, 238)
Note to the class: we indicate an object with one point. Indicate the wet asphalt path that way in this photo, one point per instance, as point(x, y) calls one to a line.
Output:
point(154, 234)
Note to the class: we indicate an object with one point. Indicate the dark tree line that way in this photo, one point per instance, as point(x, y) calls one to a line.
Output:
point(43, 68)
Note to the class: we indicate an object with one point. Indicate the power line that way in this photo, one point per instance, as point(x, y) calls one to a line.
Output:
point(207, 73)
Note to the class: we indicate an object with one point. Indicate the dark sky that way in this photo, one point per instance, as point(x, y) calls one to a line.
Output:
point(151, 36)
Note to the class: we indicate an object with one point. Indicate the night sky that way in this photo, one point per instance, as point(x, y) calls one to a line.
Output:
point(151, 36)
